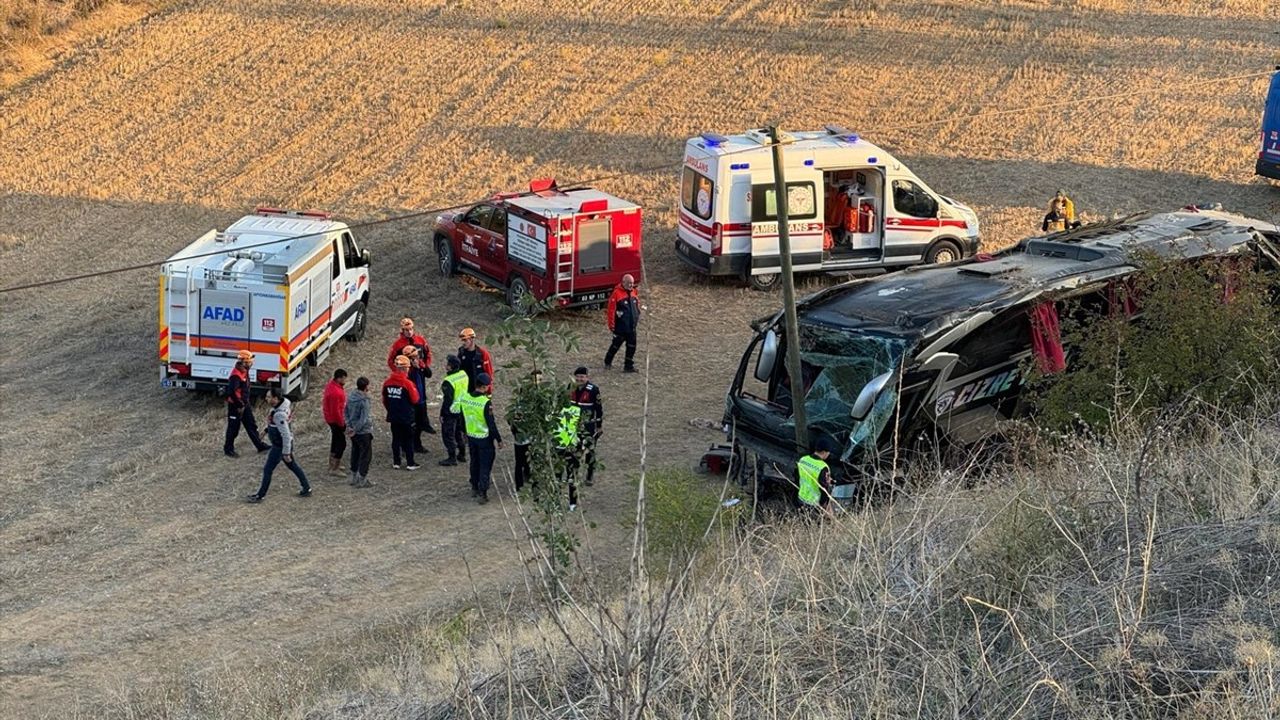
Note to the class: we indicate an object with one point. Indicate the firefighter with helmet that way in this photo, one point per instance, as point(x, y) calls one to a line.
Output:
point(240, 406)
point(475, 360)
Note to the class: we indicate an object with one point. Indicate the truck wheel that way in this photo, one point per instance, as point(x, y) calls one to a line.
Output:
point(448, 264)
point(518, 296)
point(943, 251)
point(304, 382)
point(765, 282)
point(356, 333)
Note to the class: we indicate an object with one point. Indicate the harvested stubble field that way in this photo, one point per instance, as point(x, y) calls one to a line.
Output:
point(124, 552)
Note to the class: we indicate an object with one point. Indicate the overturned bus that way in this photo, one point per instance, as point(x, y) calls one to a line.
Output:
point(938, 351)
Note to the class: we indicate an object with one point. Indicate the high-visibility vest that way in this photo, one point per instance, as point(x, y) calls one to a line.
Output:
point(810, 469)
point(567, 430)
point(458, 379)
point(473, 413)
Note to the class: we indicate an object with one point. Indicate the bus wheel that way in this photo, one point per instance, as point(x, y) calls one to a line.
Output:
point(943, 251)
point(518, 296)
point(765, 282)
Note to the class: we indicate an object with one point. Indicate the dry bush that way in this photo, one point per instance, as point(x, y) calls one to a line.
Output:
point(1098, 579)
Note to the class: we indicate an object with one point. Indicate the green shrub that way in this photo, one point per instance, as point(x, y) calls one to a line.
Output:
point(683, 512)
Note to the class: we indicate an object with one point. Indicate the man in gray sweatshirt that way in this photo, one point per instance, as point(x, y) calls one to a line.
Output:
point(359, 421)
point(281, 437)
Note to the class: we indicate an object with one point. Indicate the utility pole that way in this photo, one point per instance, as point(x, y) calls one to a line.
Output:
point(789, 298)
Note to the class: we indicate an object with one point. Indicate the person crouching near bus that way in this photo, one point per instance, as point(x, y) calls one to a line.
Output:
point(240, 406)
point(482, 435)
point(623, 318)
point(813, 477)
point(281, 446)
point(358, 418)
point(400, 397)
point(452, 388)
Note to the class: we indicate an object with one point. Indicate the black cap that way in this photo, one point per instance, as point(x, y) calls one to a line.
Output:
point(453, 362)
point(824, 444)
point(582, 370)
point(483, 379)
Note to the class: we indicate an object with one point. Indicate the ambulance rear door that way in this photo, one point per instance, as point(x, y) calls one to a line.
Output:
point(805, 224)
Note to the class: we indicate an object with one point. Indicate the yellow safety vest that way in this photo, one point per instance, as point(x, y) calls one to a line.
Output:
point(810, 469)
point(567, 432)
point(473, 413)
point(458, 380)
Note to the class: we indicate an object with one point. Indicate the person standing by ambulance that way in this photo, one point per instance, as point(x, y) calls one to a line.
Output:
point(399, 396)
point(240, 406)
point(333, 405)
point(475, 360)
point(482, 435)
point(623, 318)
point(452, 388)
point(281, 446)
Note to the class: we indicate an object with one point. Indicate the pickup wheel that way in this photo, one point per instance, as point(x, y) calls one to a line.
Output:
point(444, 250)
point(765, 282)
point(518, 296)
point(356, 333)
point(943, 251)
point(304, 382)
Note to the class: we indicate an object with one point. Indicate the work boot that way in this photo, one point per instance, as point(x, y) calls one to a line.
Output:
point(447, 462)
point(630, 369)
point(353, 478)
point(231, 453)
point(363, 482)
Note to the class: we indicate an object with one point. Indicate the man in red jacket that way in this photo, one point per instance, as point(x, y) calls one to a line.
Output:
point(408, 336)
point(334, 406)
point(399, 397)
point(623, 318)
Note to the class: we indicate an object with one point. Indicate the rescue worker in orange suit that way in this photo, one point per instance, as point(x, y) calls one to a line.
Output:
point(473, 358)
point(408, 336)
point(399, 397)
point(586, 395)
point(623, 318)
point(240, 406)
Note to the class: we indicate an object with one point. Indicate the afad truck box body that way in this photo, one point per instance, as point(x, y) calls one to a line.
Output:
point(283, 285)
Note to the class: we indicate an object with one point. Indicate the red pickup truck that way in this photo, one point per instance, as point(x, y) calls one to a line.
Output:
point(572, 246)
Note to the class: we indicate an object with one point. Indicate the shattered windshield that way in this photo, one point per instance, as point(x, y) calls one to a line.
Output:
point(837, 364)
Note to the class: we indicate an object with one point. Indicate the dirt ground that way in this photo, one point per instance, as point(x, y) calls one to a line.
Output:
point(125, 551)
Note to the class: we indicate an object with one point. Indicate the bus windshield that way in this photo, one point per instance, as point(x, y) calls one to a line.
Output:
point(837, 364)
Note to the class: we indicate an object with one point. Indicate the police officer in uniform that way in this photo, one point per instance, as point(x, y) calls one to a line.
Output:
point(569, 446)
point(452, 388)
point(240, 406)
point(813, 477)
point(586, 395)
point(482, 435)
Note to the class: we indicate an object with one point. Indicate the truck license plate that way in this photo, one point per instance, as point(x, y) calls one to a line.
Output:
point(171, 383)
point(592, 297)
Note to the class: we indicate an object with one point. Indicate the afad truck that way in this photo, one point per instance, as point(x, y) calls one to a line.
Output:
point(884, 215)
point(1269, 153)
point(569, 247)
point(283, 285)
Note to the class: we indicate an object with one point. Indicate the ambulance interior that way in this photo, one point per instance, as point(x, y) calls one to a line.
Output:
point(853, 207)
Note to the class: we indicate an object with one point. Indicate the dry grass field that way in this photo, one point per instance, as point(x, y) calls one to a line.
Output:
point(125, 554)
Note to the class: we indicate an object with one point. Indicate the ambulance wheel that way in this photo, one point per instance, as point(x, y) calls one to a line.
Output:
point(448, 263)
point(304, 382)
point(943, 251)
point(356, 333)
point(518, 296)
point(765, 282)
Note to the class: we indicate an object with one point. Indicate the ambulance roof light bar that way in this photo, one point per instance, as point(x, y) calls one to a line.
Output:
point(711, 139)
point(841, 133)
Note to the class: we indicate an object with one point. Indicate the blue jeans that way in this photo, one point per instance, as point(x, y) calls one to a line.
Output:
point(274, 458)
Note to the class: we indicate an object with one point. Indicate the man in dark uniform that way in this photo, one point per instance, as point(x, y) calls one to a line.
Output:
point(586, 395)
point(240, 406)
point(623, 318)
point(482, 435)
point(474, 358)
point(452, 388)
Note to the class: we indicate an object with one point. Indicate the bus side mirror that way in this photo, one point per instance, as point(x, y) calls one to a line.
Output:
point(867, 398)
point(768, 356)
point(364, 258)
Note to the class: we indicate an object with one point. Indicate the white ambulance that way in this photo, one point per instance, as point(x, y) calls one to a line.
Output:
point(851, 206)
point(284, 285)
